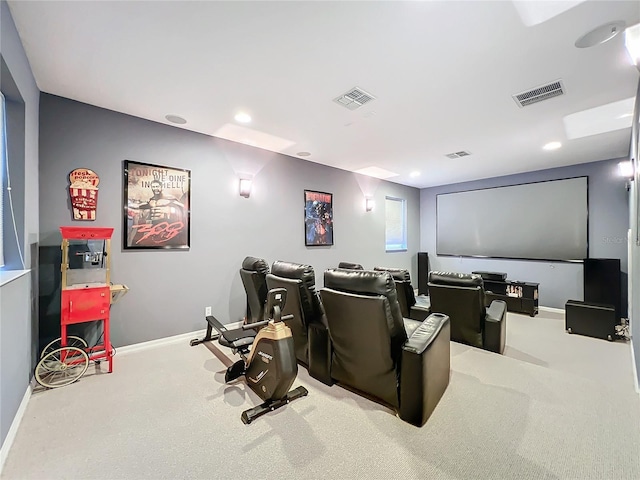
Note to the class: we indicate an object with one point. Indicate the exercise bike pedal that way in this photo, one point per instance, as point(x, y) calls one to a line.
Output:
point(250, 415)
point(235, 371)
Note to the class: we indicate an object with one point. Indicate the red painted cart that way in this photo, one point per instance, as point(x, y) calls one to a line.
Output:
point(86, 296)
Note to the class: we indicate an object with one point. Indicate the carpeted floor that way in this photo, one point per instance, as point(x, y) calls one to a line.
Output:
point(555, 406)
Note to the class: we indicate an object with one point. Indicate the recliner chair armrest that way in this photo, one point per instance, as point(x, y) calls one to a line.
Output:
point(320, 353)
point(425, 369)
point(495, 327)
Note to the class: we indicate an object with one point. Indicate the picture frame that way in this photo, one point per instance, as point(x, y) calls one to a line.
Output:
point(157, 207)
point(318, 218)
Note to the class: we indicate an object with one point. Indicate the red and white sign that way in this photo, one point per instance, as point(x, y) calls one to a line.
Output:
point(84, 193)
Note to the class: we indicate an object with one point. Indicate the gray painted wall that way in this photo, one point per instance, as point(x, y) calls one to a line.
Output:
point(559, 281)
point(170, 289)
point(15, 314)
point(15, 359)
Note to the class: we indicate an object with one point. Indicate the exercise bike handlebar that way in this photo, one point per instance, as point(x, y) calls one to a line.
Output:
point(249, 326)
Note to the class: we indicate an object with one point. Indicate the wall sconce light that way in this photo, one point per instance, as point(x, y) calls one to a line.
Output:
point(245, 187)
point(369, 204)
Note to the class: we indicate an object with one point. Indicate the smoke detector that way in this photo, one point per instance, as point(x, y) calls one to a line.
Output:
point(459, 154)
point(354, 98)
point(538, 94)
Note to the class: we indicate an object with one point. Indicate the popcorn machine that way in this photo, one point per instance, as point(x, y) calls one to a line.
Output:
point(86, 296)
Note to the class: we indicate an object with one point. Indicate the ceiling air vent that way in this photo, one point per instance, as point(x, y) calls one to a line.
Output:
point(354, 98)
point(538, 94)
point(458, 154)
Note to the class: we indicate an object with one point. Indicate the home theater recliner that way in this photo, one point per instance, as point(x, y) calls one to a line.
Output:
point(309, 323)
point(254, 278)
point(399, 362)
point(416, 308)
point(461, 297)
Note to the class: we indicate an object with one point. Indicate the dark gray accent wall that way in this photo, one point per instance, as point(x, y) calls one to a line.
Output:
point(16, 322)
point(169, 290)
point(559, 281)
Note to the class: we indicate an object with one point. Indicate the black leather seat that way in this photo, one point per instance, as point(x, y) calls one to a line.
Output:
point(372, 351)
point(254, 278)
point(461, 297)
point(308, 325)
point(417, 308)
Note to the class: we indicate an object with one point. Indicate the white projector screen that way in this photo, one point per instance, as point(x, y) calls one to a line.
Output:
point(534, 221)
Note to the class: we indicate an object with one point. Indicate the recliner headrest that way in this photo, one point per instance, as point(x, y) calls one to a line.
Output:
point(350, 266)
point(364, 282)
point(400, 274)
point(254, 264)
point(296, 271)
point(455, 279)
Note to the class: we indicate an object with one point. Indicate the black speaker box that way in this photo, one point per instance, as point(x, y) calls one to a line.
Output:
point(423, 273)
point(592, 319)
point(602, 282)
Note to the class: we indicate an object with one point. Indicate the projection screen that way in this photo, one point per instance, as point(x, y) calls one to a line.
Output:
point(534, 221)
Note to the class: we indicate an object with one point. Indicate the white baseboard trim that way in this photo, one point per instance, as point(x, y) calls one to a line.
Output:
point(183, 337)
point(13, 430)
point(552, 309)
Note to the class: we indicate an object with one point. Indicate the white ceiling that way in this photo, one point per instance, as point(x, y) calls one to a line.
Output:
point(443, 74)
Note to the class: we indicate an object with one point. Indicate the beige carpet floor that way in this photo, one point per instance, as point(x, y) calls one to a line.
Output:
point(555, 406)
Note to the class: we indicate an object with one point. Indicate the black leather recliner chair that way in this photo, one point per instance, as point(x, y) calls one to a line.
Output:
point(461, 297)
point(401, 363)
point(350, 266)
point(254, 278)
point(417, 308)
point(309, 324)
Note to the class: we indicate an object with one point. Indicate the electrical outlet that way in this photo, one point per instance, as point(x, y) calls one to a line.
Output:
point(207, 311)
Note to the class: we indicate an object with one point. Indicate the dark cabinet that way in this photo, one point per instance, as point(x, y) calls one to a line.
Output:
point(521, 297)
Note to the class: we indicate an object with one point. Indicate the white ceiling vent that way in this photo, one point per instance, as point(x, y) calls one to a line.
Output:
point(354, 98)
point(458, 154)
point(538, 94)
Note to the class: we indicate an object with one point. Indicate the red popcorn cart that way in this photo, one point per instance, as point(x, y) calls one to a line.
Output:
point(86, 296)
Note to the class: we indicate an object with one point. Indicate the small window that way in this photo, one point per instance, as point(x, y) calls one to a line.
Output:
point(3, 163)
point(395, 224)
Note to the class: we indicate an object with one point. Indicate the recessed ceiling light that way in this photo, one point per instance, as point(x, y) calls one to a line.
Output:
point(303, 154)
point(414, 174)
point(600, 34)
point(175, 119)
point(243, 117)
point(552, 146)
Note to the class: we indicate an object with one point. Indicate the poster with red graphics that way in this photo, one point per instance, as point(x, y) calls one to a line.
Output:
point(156, 206)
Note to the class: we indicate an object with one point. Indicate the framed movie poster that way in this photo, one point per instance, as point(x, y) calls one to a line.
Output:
point(318, 218)
point(156, 206)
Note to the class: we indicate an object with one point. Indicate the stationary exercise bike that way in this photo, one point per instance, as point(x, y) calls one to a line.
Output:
point(268, 356)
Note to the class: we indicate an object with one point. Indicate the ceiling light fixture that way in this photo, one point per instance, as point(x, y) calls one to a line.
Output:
point(601, 34)
point(552, 146)
point(414, 174)
point(175, 119)
point(303, 154)
point(242, 117)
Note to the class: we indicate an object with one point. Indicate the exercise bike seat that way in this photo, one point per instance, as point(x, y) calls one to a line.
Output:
point(235, 338)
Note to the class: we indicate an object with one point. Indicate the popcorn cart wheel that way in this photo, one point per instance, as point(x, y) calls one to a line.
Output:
point(72, 341)
point(61, 367)
point(86, 296)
